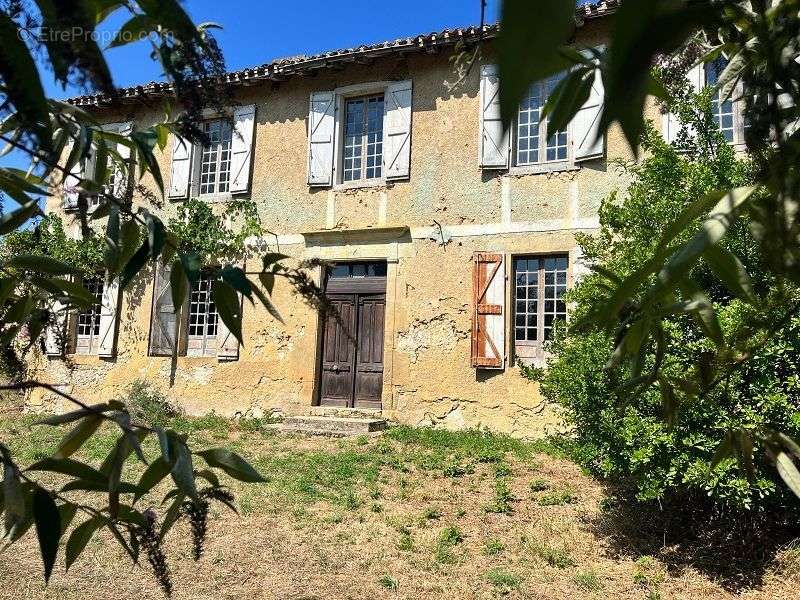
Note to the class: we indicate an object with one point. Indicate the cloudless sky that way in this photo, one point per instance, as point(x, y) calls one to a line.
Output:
point(255, 32)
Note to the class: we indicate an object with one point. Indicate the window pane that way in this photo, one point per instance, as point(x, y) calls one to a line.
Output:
point(202, 311)
point(88, 322)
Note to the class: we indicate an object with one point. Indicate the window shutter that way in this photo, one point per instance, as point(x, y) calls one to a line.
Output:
point(320, 138)
point(488, 310)
point(242, 147)
point(109, 318)
point(494, 145)
point(163, 321)
point(397, 130)
point(55, 334)
point(181, 168)
point(586, 123)
point(670, 125)
point(121, 179)
point(227, 344)
point(71, 182)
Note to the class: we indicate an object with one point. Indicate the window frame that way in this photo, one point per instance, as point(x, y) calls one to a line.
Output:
point(533, 350)
point(195, 183)
point(205, 344)
point(540, 166)
point(83, 344)
point(341, 96)
point(737, 107)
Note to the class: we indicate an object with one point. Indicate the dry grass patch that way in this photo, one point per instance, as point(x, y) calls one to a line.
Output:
point(399, 516)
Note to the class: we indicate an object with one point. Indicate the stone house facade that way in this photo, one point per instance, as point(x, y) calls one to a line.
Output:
point(450, 243)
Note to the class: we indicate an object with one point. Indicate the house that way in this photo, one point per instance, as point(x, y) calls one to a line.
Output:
point(451, 243)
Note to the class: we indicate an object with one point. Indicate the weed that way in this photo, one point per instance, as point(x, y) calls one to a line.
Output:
point(389, 583)
point(502, 499)
point(493, 546)
point(504, 580)
point(558, 497)
point(461, 513)
point(147, 404)
point(455, 469)
point(335, 518)
point(449, 537)
point(502, 469)
point(350, 500)
point(376, 507)
point(362, 440)
point(555, 557)
point(588, 581)
point(539, 485)
point(406, 543)
point(432, 513)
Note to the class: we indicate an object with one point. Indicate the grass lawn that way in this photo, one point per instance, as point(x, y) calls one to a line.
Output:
point(415, 513)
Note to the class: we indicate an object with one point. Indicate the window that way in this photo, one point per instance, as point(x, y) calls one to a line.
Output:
point(534, 144)
point(722, 110)
point(202, 319)
point(357, 270)
point(87, 326)
point(362, 158)
point(215, 158)
point(539, 286)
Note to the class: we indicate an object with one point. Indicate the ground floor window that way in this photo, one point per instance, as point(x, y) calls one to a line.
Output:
point(540, 283)
point(203, 319)
point(87, 321)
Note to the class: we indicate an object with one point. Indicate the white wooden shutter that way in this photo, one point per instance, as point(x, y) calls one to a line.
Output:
point(109, 318)
point(71, 183)
point(55, 333)
point(494, 147)
point(670, 125)
point(121, 177)
point(397, 130)
point(320, 138)
point(488, 310)
point(242, 147)
point(227, 344)
point(181, 168)
point(586, 123)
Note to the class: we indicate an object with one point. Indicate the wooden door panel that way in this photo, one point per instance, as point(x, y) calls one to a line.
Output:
point(338, 352)
point(369, 361)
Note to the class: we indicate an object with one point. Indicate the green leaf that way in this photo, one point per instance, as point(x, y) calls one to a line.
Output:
point(724, 450)
point(67, 511)
point(48, 528)
point(68, 466)
point(9, 222)
point(567, 98)
point(731, 271)
point(86, 485)
point(152, 476)
point(41, 264)
point(135, 264)
point(171, 515)
point(788, 472)
point(14, 498)
point(237, 278)
point(178, 284)
point(192, 265)
point(156, 235)
point(233, 464)
point(73, 441)
point(79, 538)
point(74, 415)
point(133, 30)
point(228, 307)
point(528, 47)
point(182, 470)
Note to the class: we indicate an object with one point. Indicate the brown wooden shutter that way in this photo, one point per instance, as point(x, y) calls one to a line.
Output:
point(488, 310)
point(163, 320)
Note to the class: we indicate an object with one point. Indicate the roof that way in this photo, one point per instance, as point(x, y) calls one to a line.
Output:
point(284, 68)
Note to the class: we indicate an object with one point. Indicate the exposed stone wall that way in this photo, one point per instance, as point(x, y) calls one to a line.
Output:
point(428, 378)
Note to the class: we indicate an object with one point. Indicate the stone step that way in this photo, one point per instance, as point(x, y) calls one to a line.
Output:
point(333, 426)
point(347, 413)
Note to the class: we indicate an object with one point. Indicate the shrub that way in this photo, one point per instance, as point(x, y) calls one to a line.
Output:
point(148, 405)
point(625, 436)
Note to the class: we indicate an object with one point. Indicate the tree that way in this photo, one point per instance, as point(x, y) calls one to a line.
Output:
point(761, 40)
point(35, 277)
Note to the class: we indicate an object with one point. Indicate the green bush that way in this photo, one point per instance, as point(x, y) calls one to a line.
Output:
point(626, 436)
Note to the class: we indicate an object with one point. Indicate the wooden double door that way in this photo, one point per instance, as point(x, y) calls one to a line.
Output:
point(352, 348)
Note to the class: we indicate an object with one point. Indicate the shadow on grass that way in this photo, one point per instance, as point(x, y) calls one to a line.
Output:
point(688, 533)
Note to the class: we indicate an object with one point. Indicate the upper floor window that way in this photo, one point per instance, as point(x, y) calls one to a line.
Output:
point(360, 134)
point(722, 110)
point(215, 157)
point(363, 138)
point(534, 142)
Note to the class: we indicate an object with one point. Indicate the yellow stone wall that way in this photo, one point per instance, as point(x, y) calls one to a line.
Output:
point(428, 378)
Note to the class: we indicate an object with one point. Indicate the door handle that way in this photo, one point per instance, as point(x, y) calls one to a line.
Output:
point(335, 368)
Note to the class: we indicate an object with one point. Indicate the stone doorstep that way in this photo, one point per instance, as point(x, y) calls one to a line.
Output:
point(335, 426)
point(341, 411)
